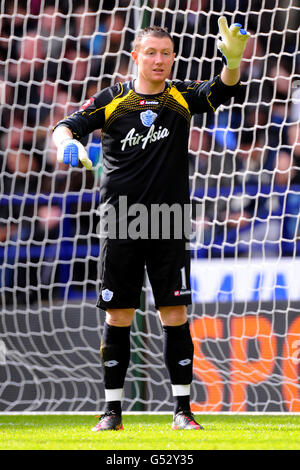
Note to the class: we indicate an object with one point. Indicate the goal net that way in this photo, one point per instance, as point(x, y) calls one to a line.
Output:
point(244, 180)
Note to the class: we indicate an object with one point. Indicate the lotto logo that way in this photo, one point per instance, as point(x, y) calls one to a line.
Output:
point(177, 293)
point(148, 102)
point(184, 362)
point(111, 363)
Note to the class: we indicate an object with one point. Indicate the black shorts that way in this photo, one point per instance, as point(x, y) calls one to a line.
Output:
point(122, 271)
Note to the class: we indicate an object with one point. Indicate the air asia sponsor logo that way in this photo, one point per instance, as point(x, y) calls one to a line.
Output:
point(87, 104)
point(153, 135)
point(148, 103)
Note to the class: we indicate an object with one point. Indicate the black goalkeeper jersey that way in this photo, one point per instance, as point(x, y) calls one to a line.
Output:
point(145, 137)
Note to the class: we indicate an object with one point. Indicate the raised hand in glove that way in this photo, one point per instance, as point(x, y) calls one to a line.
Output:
point(233, 43)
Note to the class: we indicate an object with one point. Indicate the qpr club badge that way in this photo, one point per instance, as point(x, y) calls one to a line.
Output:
point(107, 295)
point(148, 117)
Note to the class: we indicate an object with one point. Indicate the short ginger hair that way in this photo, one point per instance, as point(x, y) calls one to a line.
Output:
point(156, 31)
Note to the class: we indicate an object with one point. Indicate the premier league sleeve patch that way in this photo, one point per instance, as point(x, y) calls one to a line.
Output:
point(87, 104)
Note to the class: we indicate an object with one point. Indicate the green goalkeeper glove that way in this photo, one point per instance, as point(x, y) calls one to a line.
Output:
point(234, 40)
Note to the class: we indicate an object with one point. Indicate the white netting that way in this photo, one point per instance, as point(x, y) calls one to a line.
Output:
point(244, 167)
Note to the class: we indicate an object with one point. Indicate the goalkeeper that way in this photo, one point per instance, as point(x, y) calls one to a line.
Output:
point(145, 131)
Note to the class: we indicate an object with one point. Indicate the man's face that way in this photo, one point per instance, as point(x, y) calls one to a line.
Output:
point(154, 57)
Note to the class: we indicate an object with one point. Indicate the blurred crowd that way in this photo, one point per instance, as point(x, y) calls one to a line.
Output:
point(55, 54)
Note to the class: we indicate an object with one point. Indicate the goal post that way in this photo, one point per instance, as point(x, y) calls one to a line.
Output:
point(244, 164)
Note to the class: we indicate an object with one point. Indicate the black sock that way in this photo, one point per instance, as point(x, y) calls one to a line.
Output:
point(182, 403)
point(114, 406)
point(115, 356)
point(179, 353)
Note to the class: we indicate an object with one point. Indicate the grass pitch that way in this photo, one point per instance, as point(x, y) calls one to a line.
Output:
point(150, 432)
